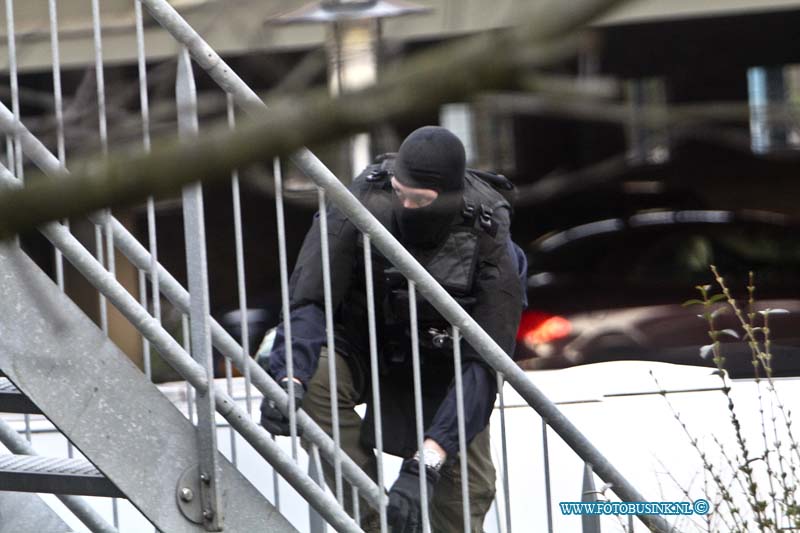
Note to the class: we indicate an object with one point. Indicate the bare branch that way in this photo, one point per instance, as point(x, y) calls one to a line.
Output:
point(452, 72)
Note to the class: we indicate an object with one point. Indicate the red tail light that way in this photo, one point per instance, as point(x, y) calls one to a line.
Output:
point(536, 327)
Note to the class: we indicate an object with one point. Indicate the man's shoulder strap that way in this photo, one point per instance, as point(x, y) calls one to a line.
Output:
point(494, 186)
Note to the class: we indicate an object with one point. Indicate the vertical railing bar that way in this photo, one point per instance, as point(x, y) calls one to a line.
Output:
point(14, 80)
point(423, 483)
point(200, 314)
point(148, 371)
point(144, 106)
point(374, 374)
point(504, 452)
point(276, 487)
point(10, 152)
point(356, 506)
point(240, 274)
point(141, 59)
point(58, 97)
point(547, 496)
point(316, 524)
point(462, 433)
point(101, 113)
point(240, 282)
point(187, 346)
point(99, 255)
point(334, 387)
point(229, 388)
point(18, 166)
point(98, 236)
point(58, 105)
point(100, 77)
point(285, 311)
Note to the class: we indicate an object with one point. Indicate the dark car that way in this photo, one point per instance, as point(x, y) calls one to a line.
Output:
point(613, 289)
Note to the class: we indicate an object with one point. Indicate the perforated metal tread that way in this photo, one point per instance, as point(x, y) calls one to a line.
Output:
point(13, 401)
point(33, 473)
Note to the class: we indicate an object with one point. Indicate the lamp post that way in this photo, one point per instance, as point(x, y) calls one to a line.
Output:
point(352, 44)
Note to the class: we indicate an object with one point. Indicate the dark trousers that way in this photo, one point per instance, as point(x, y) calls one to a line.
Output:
point(446, 507)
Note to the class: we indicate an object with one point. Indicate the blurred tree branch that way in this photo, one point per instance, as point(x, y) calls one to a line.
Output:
point(451, 72)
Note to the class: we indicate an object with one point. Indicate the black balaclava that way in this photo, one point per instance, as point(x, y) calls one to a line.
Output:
point(431, 157)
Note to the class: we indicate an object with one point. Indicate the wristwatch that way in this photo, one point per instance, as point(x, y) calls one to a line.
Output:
point(430, 458)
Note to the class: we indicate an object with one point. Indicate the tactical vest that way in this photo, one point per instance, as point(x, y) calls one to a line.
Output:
point(453, 263)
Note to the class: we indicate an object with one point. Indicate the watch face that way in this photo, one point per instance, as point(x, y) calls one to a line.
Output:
point(432, 459)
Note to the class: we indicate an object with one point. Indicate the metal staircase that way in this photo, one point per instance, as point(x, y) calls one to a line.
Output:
point(137, 444)
point(91, 391)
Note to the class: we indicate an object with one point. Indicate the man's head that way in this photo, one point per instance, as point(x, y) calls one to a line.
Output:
point(428, 181)
point(431, 157)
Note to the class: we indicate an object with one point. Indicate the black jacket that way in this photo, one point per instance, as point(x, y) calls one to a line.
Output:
point(490, 290)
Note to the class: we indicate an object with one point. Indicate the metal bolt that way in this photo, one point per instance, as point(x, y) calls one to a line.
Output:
point(208, 514)
point(205, 478)
point(186, 494)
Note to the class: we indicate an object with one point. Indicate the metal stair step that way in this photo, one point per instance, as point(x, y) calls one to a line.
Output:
point(34, 473)
point(13, 401)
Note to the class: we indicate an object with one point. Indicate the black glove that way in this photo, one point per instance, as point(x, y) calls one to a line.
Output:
point(271, 417)
point(405, 501)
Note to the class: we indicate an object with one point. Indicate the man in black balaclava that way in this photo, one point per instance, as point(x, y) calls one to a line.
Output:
point(458, 230)
point(430, 160)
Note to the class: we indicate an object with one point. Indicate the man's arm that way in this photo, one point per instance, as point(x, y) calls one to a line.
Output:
point(307, 297)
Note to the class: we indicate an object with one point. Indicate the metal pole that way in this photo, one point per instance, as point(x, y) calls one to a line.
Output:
point(102, 128)
point(187, 347)
point(144, 106)
point(415, 363)
point(333, 382)
point(14, 81)
point(504, 448)
point(547, 496)
point(240, 277)
point(197, 273)
point(374, 375)
point(287, 324)
point(462, 434)
point(18, 164)
point(58, 105)
point(315, 523)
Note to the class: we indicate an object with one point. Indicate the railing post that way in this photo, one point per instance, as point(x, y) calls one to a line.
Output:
point(589, 523)
point(547, 496)
point(197, 273)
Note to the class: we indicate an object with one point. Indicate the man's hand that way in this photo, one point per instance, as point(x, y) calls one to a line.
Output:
point(272, 419)
point(405, 501)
